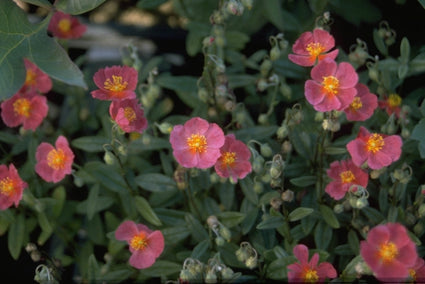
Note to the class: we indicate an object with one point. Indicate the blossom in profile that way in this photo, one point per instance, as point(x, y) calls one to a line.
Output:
point(115, 83)
point(332, 86)
point(391, 104)
point(197, 143)
point(129, 115)
point(378, 150)
point(345, 176)
point(417, 271)
point(389, 252)
point(145, 245)
point(11, 187)
point(309, 271)
point(54, 163)
point(28, 109)
point(312, 47)
point(35, 79)
point(234, 160)
point(65, 26)
point(363, 104)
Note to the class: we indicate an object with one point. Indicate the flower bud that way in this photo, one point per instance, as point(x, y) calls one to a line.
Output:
point(286, 147)
point(338, 208)
point(263, 119)
point(203, 94)
point(266, 150)
point(275, 53)
point(109, 158)
point(242, 254)
point(418, 229)
point(287, 195)
point(226, 273)
point(258, 187)
point(262, 84)
point(265, 67)
point(225, 233)
point(212, 222)
point(374, 74)
point(165, 127)
point(185, 276)
point(235, 8)
point(247, 4)
point(282, 131)
point(405, 133)
point(219, 241)
point(251, 262)
point(421, 211)
point(286, 91)
point(361, 203)
point(211, 277)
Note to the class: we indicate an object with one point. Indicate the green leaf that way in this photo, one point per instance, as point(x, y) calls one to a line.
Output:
point(156, 182)
point(240, 80)
point(422, 2)
point(46, 228)
point(231, 219)
point(417, 64)
point(353, 242)
point(356, 11)
point(236, 40)
point(150, 4)
point(322, 235)
point(200, 249)
point(249, 221)
point(41, 3)
point(372, 214)
point(300, 213)
point(195, 227)
point(248, 190)
point(246, 134)
point(92, 269)
point(90, 143)
point(106, 175)
point(75, 7)
point(184, 86)
point(162, 268)
point(303, 181)
point(144, 208)
point(15, 236)
point(335, 150)
point(21, 39)
point(329, 216)
point(418, 133)
point(282, 19)
point(277, 269)
point(173, 235)
point(270, 222)
point(404, 50)
point(92, 201)
point(379, 42)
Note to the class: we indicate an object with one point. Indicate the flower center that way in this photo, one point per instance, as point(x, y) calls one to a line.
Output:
point(388, 251)
point(330, 85)
point(7, 186)
point(315, 49)
point(56, 159)
point(22, 107)
point(129, 114)
point(347, 177)
point(228, 158)
point(197, 143)
point(116, 85)
point(375, 143)
point(310, 276)
point(30, 77)
point(139, 242)
point(394, 100)
point(64, 25)
point(356, 104)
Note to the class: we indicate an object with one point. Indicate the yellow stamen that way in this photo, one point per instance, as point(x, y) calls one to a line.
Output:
point(64, 25)
point(394, 100)
point(412, 274)
point(22, 107)
point(117, 84)
point(197, 143)
point(56, 159)
point(30, 77)
point(315, 49)
point(228, 158)
point(356, 104)
point(7, 186)
point(129, 114)
point(139, 242)
point(375, 143)
point(388, 251)
point(310, 276)
point(330, 85)
point(347, 177)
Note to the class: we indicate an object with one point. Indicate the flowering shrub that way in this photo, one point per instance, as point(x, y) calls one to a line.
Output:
point(279, 147)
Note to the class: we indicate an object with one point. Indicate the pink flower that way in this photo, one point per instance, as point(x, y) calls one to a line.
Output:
point(378, 150)
point(11, 187)
point(332, 87)
point(389, 252)
point(234, 159)
point(129, 115)
point(115, 83)
point(363, 104)
point(35, 80)
point(54, 163)
point(65, 26)
point(417, 272)
point(145, 245)
point(197, 143)
point(26, 109)
point(313, 46)
point(391, 104)
point(345, 177)
point(305, 271)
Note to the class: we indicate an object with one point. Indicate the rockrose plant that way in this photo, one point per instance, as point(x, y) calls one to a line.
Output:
point(231, 141)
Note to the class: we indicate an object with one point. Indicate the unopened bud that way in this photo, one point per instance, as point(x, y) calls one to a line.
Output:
point(165, 127)
point(211, 277)
point(226, 273)
point(203, 94)
point(286, 147)
point(266, 150)
point(265, 67)
point(219, 241)
point(263, 119)
point(275, 53)
point(262, 84)
point(421, 211)
point(258, 187)
point(287, 195)
point(251, 262)
point(374, 74)
point(282, 131)
point(242, 254)
point(286, 91)
point(109, 158)
point(247, 4)
point(225, 233)
point(212, 221)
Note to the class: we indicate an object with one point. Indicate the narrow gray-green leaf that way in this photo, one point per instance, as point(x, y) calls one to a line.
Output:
point(156, 182)
point(329, 216)
point(144, 208)
point(300, 213)
point(15, 236)
point(75, 7)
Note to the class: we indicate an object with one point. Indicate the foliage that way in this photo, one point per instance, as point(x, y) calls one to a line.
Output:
point(214, 229)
